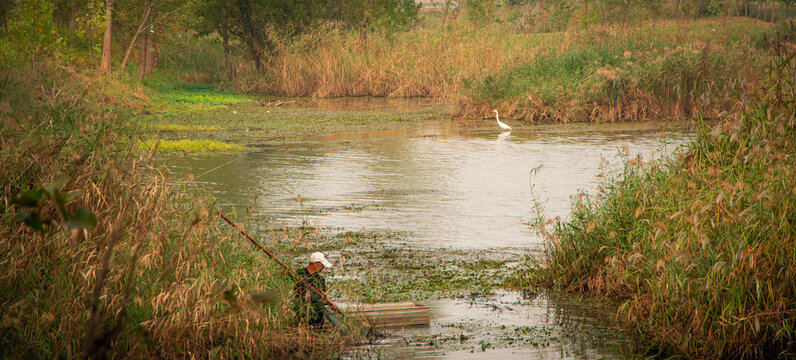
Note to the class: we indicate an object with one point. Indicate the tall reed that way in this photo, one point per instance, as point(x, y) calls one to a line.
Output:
point(701, 244)
point(647, 73)
point(174, 284)
point(655, 70)
point(432, 60)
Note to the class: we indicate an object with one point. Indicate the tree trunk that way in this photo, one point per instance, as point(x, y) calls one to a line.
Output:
point(132, 42)
point(253, 39)
point(5, 8)
point(363, 31)
point(105, 65)
point(223, 31)
point(142, 56)
point(151, 55)
point(773, 3)
point(225, 42)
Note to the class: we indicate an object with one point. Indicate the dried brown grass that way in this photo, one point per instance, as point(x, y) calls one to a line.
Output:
point(170, 285)
point(429, 62)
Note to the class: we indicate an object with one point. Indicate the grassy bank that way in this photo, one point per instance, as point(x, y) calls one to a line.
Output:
point(189, 117)
point(699, 245)
point(430, 60)
point(156, 276)
point(654, 70)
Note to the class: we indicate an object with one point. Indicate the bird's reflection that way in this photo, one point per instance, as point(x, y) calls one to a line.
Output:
point(502, 136)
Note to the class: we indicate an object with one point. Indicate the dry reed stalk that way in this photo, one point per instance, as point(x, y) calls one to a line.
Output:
point(161, 288)
point(426, 63)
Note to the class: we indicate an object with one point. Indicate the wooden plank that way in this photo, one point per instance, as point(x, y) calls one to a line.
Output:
point(391, 314)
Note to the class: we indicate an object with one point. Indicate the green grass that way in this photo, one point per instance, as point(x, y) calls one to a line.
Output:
point(191, 145)
point(700, 245)
point(180, 111)
point(183, 128)
point(251, 123)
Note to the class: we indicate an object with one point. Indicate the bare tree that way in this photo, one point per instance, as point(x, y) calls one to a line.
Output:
point(135, 37)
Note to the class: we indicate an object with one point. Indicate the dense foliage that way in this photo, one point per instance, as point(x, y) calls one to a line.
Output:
point(700, 245)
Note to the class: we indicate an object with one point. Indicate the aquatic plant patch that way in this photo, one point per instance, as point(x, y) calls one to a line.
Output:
point(251, 123)
point(190, 145)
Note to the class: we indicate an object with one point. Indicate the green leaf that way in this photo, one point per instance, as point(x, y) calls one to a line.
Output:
point(31, 219)
point(69, 196)
point(28, 198)
point(52, 190)
point(53, 187)
point(23, 215)
point(35, 223)
point(230, 296)
point(82, 218)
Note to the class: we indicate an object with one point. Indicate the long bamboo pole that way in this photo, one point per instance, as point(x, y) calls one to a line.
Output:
point(289, 269)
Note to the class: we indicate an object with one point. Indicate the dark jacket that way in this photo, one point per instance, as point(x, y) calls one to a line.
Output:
point(309, 306)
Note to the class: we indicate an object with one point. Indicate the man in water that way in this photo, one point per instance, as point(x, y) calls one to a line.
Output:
point(309, 305)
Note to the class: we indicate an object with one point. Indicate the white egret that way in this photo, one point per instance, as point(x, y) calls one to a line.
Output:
point(502, 125)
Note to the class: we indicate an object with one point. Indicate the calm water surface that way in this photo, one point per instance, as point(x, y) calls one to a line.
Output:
point(447, 188)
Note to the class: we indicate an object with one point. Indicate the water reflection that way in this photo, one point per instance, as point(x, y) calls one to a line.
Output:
point(507, 325)
point(448, 186)
point(502, 136)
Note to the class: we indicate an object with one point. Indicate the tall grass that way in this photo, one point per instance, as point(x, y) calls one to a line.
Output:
point(648, 73)
point(700, 245)
point(655, 70)
point(431, 60)
point(156, 277)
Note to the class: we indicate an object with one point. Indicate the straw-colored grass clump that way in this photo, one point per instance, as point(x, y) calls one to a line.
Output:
point(606, 74)
point(700, 245)
point(156, 277)
point(652, 71)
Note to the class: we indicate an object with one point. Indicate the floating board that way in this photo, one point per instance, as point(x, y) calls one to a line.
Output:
point(390, 315)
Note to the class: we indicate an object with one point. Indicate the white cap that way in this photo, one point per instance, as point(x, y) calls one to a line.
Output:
point(321, 258)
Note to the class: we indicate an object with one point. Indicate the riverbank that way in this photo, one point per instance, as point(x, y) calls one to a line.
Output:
point(699, 246)
point(183, 116)
point(654, 70)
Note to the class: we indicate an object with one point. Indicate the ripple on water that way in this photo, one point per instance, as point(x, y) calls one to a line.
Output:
point(462, 189)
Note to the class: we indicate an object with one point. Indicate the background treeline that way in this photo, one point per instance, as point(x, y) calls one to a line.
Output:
point(602, 60)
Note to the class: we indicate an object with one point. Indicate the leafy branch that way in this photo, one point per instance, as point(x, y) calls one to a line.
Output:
point(32, 200)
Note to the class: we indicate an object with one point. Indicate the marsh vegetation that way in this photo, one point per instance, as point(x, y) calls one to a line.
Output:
point(105, 254)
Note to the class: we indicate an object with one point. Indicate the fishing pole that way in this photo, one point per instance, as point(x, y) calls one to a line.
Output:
point(324, 299)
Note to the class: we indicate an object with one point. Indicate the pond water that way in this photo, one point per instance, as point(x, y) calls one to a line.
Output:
point(446, 187)
point(507, 325)
point(450, 187)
